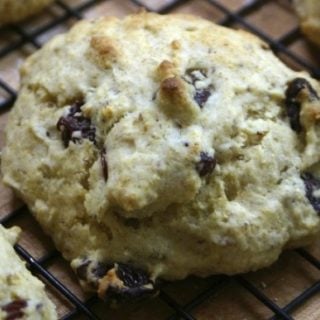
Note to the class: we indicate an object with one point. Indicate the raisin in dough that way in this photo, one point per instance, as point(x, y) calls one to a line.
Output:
point(164, 146)
point(22, 296)
point(309, 13)
point(16, 10)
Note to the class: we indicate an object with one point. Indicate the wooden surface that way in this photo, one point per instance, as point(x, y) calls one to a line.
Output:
point(282, 282)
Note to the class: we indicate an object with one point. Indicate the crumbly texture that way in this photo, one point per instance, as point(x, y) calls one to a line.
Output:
point(309, 13)
point(166, 143)
point(16, 10)
point(22, 296)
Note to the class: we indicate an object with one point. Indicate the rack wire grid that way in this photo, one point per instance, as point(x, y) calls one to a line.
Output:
point(203, 292)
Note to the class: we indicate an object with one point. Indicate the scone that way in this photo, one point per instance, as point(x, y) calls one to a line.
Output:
point(309, 13)
point(22, 295)
point(164, 146)
point(16, 10)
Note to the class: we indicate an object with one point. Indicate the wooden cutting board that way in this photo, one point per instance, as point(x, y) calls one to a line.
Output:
point(282, 282)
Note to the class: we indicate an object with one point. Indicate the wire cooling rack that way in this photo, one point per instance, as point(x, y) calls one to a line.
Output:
point(204, 292)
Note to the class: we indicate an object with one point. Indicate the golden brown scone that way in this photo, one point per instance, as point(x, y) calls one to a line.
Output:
point(309, 13)
point(22, 296)
point(166, 144)
point(16, 10)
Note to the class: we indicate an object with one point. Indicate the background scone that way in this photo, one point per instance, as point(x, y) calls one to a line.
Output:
point(165, 144)
point(309, 13)
point(16, 10)
point(22, 295)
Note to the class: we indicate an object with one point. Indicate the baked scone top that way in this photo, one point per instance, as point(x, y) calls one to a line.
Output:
point(22, 296)
point(166, 142)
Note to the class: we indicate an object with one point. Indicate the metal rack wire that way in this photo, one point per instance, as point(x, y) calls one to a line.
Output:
point(179, 311)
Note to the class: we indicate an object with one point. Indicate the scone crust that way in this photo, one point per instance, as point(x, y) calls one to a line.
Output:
point(21, 294)
point(16, 10)
point(309, 14)
point(163, 142)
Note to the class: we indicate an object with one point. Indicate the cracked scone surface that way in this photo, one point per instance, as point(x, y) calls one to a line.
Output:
point(309, 14)
point(166, 143)
point(16, 10)
point(22, 296)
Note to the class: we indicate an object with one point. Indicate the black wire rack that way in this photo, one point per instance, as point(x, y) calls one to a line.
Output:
point(8, 94)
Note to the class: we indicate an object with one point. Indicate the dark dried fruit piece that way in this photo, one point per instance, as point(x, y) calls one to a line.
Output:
point(75, 127)
point(312, 185)
point(293, 100)
point(123, 282)
point(92, 271)
point(100, 269)
point(104, 163)
point(115, 282)
point(202, 96)
point(82, 270)
point(14, 309)
point(193, 76)
point(131, 277)
point(206, 164)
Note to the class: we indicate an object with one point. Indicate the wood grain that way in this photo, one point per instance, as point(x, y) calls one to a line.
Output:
point(281, 282)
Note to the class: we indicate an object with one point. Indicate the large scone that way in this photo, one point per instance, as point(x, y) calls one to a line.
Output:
point(167, 144)
point(22, 296)
point(16, 10)
point(309, 13)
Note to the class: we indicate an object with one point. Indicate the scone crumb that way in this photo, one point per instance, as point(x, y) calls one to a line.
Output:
point(110, 279)
point(165, 70)
point(107, 112)
point(176, 45)
point(105, 52)
point(175, 100)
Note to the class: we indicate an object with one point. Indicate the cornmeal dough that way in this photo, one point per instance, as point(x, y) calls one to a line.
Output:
point(16, 10)
point(309, 13)
point(164, 146)
point(22, 295)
